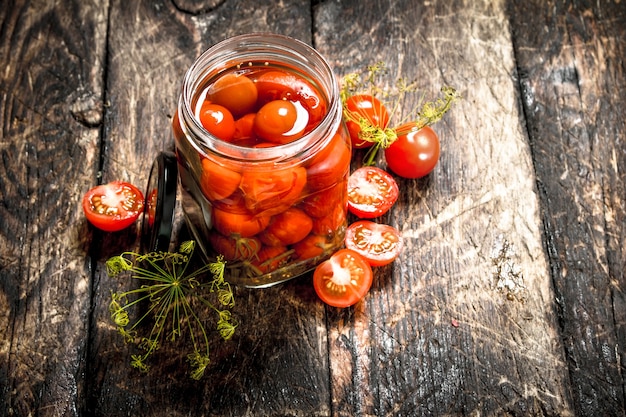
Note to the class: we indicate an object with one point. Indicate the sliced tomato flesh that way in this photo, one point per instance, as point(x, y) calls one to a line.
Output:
point(371, 192)
point(343, 279)
point(114, 206)
point(379, 244)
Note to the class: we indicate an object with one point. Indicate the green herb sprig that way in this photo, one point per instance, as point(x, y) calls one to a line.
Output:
point(425, 113)
point(171, 295)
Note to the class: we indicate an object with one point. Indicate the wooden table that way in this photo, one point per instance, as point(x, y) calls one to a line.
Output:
point(509, 297)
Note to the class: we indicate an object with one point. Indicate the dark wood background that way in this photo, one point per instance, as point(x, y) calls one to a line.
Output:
point(507, 300)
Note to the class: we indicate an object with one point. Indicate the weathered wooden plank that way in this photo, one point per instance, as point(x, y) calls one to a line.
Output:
point(276, 363)
point(463, 323)
point(50, 113)
point(571, 65)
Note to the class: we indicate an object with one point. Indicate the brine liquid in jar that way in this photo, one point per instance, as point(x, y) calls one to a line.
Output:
point(263, 160)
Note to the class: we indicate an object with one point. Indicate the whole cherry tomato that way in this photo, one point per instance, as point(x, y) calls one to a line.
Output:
point(371, 192)
point(368, 107)
point(272, 191)
point(238, 224)
point(379, 244)
point(413, 154)
point(279, 85)
point(330, 165)
point(234, 248)
point(114, 206)
point(217, 120)
point(287, 228)
point(234, 91)
point(216, 181)
point(343, 279)
point(281, 121)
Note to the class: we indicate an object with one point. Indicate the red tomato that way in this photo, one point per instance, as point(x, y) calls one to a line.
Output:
point(234, 248)
point(238, 224)
point(216, 181)
point(414, 154)
point(311, 246)
point(379, 244)
point(331, 165)
point(114, 206)
point(244, 130)
point(321, 203)
point(371, 192)
point(270, 258)
point(344, 279)
point(287, 228)
point(217, 120)
point(368, 107)
point(278, 85)
point(272, 191)
point(331, 223)
point(236, 92)
point(281, 121)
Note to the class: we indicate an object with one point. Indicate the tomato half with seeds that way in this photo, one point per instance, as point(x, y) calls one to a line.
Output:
point(368, 107)
point(414, 154)
point(343, 279)
point(371, 192)
point(114, 206)
point(379, 244)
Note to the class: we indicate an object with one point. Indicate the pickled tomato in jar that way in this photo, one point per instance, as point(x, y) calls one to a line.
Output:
point(264, 159)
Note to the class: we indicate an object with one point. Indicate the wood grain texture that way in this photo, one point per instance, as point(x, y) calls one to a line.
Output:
point(573, 101)
point(508, 298)
point(277, 362)
point(463, 323)
point(51, 108)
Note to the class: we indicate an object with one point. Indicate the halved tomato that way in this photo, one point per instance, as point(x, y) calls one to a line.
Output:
point(371, 192)
point(114, 206)
point(379, 244)
point(343, 279)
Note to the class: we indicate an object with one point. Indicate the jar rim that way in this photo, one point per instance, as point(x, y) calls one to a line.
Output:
point(258, 47)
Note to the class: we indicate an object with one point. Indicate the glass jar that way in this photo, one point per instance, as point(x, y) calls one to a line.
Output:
point(263, 157)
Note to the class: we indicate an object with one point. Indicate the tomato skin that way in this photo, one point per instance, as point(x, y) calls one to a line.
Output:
point(234, 248)
point(379, 244)
point(114, 206)
point(278, 85)
point(311, 246)
point(272, 191)
point(287, 228)
point(331, 165)
point(415, 154)
point(238, 224)
point(367, 107)
point(218, 182)
point(217, 120)
point(236, 92)
point(280, 121)
point(270, 258)
point(343, 279)
point(371, 192)
point(244, 130)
